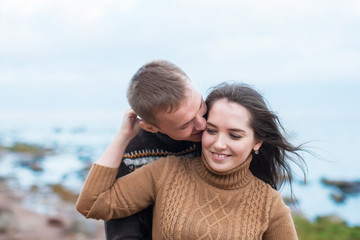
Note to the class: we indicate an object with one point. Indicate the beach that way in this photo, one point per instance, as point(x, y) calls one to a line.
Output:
point(20, 222)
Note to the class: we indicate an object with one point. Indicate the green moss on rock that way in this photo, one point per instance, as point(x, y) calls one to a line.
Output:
point(63, 193)
point(325, 228)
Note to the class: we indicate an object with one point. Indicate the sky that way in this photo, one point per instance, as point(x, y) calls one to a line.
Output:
point(76, 57)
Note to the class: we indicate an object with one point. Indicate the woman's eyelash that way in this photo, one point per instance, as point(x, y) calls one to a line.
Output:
point(210, 130)
point(235, 136)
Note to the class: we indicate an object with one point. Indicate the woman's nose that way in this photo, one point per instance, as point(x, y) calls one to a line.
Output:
point(220, 143)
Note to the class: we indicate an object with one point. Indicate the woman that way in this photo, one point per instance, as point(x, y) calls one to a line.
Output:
point(227, 193)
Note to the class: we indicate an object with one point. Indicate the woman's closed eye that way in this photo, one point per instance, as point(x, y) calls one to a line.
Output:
point(210, 130)
point(235, 136)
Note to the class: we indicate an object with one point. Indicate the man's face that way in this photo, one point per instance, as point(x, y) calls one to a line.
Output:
point(188, 122)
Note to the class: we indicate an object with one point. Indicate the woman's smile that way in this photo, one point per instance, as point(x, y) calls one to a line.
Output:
point(220, 156)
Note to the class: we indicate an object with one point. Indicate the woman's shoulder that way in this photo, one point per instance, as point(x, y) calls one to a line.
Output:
point(271, 197)
point(173, 162)
point(179, 162)
point(172, 168)
point(265, 187)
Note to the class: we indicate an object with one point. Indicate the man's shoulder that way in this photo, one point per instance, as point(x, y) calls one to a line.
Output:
point(147, 147)
point(145, 139)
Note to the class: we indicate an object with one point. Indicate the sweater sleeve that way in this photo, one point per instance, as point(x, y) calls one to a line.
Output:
point(105, 197)
point(281, 225)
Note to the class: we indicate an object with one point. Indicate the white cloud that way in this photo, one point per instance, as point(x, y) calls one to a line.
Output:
point(29, 25)
point(60, 43)
point(22, 7)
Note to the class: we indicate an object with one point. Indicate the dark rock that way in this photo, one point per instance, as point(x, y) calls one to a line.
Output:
point(347, 187)
point(344, 189)
point(338, 197)
point(36, 166)
point(7, 220)
point(30, 162)
point(55, 222)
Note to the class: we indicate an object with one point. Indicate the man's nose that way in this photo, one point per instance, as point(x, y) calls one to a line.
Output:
point(200, 123)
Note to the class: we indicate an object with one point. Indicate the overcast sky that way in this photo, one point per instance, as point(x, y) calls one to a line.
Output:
point(79, 55)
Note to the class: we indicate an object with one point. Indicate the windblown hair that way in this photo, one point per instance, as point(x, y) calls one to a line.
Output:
point(156, 86)
point(271, 164)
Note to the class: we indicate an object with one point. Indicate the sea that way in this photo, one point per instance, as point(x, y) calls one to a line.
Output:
point(323, 116)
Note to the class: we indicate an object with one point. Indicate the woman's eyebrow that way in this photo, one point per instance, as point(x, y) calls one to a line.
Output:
point(231, 129)
point(212, 125)
point(236, 130)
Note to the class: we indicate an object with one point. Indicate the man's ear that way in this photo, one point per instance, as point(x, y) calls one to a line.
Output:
point(148, 127)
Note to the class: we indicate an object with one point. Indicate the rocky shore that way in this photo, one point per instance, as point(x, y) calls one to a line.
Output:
point(18, 222)
point(41, 212)
point(47, 211)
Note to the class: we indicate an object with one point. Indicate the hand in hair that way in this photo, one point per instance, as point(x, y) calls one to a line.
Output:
point(130, 125)
point(112, 156)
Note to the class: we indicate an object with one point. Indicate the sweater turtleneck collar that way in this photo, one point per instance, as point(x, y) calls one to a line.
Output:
point(233, 179)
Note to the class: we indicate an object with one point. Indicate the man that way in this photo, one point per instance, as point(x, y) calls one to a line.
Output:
point(172, 118)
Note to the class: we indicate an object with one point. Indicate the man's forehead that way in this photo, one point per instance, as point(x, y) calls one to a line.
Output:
point(184, 114)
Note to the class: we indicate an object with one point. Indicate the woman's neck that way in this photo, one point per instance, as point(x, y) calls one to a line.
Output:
point(235, 178)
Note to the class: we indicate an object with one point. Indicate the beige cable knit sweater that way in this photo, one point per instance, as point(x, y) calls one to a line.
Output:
point(190, 200)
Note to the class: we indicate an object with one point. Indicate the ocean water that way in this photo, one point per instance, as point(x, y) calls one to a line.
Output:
point(327, 117)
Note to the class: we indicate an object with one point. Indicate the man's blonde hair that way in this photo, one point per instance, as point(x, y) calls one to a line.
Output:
point(156, 86)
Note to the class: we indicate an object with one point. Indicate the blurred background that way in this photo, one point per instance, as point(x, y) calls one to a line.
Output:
point(65, 66)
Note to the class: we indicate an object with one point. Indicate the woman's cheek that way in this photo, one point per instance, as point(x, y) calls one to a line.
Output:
point(206, 140)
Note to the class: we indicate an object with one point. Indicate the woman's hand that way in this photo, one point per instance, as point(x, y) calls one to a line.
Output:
point(130, 125)
point(113, 155)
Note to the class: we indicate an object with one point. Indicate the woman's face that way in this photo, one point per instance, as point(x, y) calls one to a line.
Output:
point(228, 139)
